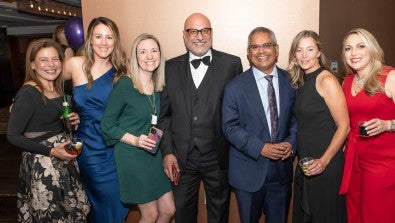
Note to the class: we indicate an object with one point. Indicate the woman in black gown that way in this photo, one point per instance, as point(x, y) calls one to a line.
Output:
point(323, 125)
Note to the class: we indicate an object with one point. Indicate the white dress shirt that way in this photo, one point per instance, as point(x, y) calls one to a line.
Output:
point(263, 84)
point(198, 73)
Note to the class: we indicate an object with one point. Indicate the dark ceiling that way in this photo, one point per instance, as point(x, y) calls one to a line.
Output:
point(12, 16)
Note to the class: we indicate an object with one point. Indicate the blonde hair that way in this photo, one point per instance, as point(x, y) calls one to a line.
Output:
point(117, 57)
point(372, 84)
point(295, 71)
point(159, 74)
point(31, 53)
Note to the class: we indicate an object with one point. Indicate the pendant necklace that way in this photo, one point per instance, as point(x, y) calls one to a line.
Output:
point(154, 117)
point(358, 80)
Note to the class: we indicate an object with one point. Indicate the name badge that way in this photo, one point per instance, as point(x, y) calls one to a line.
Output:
point(154, 119)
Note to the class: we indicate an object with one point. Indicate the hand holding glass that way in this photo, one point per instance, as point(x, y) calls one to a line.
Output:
point(75, 146)
point(362, 129)
point(304, 163)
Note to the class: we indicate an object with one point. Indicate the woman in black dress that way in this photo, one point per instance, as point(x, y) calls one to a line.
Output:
point(49, 188)
point(323, 124)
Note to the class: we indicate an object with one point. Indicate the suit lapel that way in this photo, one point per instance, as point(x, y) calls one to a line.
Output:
point(283, 95)
point(184, 73)
point(253, 95)
point(217, 77)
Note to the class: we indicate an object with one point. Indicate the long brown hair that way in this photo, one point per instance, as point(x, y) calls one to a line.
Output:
point(295, 71)
point(58, 29)
point(32, 50)
point(117, 57)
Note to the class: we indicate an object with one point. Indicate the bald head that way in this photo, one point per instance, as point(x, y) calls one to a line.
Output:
point(201, 43)
point(197, 18)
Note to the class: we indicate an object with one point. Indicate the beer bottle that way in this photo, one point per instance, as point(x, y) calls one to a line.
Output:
point(68, 128)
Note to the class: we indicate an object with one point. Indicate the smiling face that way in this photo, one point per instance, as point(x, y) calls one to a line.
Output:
point(356, 53)
point(307, 55)
point(148, 55)
point(102, 41)
point(262, 53)
point(201, 43)
point(47, 64)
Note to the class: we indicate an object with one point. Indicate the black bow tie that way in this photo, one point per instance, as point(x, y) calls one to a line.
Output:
point(196, 62)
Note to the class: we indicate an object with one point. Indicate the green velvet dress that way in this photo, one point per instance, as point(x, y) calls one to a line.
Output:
point(141, 176)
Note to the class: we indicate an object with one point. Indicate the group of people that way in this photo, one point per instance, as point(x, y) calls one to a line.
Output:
point(221, 126)
point(351, 178)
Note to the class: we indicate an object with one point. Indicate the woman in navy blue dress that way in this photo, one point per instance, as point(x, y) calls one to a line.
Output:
point(92, 77)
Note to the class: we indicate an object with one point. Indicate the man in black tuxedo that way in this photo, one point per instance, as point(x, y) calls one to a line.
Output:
point(191, 119)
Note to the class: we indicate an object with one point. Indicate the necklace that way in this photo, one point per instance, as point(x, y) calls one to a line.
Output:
point(358, 80)
point(152, 102)
point(357, 89)
point(359, 84)
point(154, 118)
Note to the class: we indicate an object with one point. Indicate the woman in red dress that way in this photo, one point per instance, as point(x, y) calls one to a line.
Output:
point(369, 170)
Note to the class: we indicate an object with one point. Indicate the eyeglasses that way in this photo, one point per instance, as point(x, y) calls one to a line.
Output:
point(265, 46)
point(195, 32)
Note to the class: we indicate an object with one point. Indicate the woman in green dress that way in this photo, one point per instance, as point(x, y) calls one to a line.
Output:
point(131, 111)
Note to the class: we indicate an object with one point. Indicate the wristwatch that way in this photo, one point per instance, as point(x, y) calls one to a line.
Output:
point(392, 126)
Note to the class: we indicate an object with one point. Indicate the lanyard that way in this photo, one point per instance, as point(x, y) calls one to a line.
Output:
point(154, 117)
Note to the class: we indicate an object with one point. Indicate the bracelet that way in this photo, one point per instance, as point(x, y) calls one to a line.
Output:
point(392, 127)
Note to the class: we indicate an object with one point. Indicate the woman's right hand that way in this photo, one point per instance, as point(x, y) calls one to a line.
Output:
point(144, 142)
point(60, 152)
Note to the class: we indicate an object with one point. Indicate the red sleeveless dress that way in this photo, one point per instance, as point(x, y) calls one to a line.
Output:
point(369, 170)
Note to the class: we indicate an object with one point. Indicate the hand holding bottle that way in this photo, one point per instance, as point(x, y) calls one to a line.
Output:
point(70, 119)
point(74, 120)
point(65, 116)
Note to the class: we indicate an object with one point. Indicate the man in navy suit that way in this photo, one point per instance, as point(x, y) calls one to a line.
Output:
point(262, 143)
point(190, 116)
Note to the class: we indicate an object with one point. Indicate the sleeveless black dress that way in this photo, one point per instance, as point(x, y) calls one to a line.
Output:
point(316, 198)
